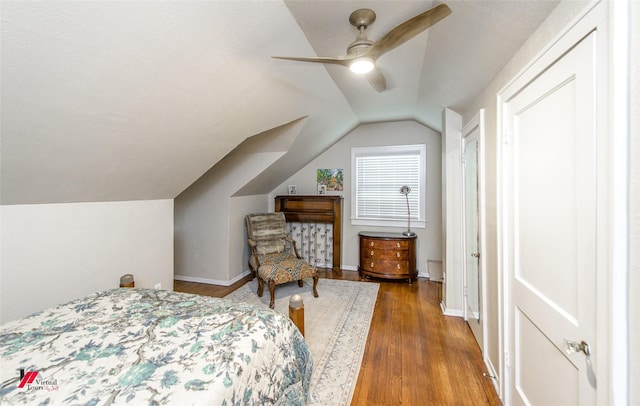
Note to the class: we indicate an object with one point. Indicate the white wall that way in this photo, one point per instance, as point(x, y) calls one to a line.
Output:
point(429, 244)
point(53, 253)
point(453, 236)
point(557, 20)
point(634, 199)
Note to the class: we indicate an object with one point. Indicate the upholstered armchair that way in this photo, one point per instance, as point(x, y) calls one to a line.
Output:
point(274, 256)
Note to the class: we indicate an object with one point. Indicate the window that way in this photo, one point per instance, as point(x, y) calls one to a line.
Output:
point(378, 175)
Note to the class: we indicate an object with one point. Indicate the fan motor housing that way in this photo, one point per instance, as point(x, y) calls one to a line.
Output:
point(362, 17)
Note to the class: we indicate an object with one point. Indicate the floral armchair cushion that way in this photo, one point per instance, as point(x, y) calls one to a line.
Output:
point(283, 268)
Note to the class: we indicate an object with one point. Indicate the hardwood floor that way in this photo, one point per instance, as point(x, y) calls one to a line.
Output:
point(414, 355)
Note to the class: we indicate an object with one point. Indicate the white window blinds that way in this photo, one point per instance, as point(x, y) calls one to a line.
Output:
point(380, 172)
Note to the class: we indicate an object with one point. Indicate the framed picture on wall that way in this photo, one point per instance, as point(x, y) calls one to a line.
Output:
point(331, 179)
point(293, 190)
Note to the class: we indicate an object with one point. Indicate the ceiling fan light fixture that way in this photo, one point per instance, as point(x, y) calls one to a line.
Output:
point(362, 53)
point(361, 65)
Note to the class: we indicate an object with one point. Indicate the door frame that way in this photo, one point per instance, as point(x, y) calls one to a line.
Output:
point(476, 122)
point(611, 291)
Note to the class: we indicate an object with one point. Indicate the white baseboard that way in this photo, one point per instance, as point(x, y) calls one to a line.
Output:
point(450, 312)
point(186, 278)
point(493, 376)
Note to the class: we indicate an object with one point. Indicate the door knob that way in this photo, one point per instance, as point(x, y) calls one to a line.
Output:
point(572, 346)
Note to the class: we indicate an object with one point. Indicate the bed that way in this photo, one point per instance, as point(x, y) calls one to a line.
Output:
point(155, 347)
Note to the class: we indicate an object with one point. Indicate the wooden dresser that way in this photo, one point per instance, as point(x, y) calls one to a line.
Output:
point(387, 255)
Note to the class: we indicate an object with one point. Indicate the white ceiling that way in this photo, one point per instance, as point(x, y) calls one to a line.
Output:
point(444, 67)
point(127, 100)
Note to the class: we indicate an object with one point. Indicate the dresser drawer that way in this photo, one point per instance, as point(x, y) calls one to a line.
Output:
point(385, 244)
point(392, 255)
point(386, 267)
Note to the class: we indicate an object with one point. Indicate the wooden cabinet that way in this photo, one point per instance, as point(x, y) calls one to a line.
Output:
point(315, 209)
point(387, 255)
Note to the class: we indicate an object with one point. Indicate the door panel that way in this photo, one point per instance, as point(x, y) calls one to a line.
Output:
point(546, 184)
point(544, 375)
point(551, 224)
point(472, 265)
point(471, 229)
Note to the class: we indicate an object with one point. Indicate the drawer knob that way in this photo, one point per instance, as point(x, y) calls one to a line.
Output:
point(398, 254)
point(398, 244)
point(372, 243)
point(371, 252)
point(372, 265)
point(398, 265)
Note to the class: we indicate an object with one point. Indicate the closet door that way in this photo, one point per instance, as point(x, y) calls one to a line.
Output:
point(551, 182)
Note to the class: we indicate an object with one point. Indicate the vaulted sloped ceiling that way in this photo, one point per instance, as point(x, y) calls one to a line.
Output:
point(129, 100)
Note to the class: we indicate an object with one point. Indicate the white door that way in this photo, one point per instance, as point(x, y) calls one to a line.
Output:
point(473, 279)
point(551, 178)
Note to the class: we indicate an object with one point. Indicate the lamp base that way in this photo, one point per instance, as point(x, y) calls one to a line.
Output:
point(408, 233)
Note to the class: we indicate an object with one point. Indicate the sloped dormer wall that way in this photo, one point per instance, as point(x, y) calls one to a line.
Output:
point(210, 241)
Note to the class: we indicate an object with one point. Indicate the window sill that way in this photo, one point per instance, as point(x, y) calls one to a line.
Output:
point(388, 223)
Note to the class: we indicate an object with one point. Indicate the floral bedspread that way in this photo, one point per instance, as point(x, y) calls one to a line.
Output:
point(153, 347)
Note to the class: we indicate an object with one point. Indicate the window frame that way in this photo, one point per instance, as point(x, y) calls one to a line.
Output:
point(413, 149)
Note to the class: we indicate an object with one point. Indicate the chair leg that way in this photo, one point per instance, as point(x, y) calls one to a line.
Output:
point(300, 282)
point(315, 285)
point(260, 286)
point(253, 271)
point(272, 290)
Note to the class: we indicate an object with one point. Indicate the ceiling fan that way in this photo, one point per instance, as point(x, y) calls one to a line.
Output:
point(363, 53)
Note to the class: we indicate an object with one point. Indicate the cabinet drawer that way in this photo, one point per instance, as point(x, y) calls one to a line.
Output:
point(390, 255)
point(385, 267)
point(385, 244)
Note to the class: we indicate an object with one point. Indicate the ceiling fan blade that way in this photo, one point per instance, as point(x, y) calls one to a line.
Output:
point(377, 80)
point(408, 29)
point(340, 60)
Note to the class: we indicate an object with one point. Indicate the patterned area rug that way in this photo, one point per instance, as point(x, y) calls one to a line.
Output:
point(336, 328)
